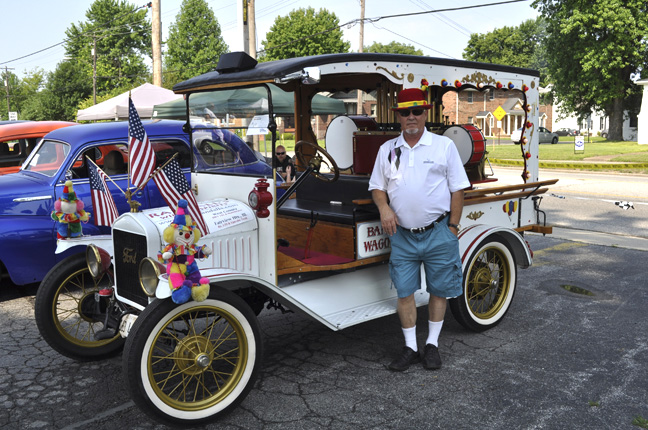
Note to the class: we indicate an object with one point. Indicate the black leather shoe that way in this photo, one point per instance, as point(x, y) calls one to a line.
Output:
point(431, 357)
point(402, 362)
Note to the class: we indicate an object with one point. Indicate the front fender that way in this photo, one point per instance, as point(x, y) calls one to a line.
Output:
point(223, 277)
point(215, 276)
point(102, 241)
point(471, 237)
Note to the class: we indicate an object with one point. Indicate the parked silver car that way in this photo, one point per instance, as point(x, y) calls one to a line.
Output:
point(545, 136)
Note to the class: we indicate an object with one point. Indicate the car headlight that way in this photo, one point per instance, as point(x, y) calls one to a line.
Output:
point(149, 274)
point(98, 260)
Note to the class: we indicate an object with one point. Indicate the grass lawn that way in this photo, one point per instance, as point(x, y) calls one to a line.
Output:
point(596, 147)
point(619, 152)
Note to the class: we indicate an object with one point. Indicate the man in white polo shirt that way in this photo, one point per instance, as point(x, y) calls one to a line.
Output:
point(417, 183)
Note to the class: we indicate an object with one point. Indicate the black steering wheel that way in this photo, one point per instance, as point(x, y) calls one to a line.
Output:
point(316, 160)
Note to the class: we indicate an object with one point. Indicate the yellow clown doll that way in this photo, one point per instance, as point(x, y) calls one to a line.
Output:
point(180, 258)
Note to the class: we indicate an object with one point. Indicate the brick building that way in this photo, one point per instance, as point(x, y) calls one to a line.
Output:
point(477, 107)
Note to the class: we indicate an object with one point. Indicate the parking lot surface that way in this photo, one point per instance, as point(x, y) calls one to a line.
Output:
point(571, 353)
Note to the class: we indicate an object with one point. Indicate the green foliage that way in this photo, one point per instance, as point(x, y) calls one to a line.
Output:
point(195, 43)
point(595, 49)
point(123, 37)
point(393, 48)
point(302, 33)
point(520, 46)
point(640, 421)
point(9, 79)
point(66, 87)
point(25, 97)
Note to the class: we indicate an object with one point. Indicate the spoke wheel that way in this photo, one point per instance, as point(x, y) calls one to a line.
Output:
point(193, 363)
point(489, 285)
point(67, 315)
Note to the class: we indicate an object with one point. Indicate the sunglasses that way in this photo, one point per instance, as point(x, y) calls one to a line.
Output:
point(405, 113)
point(281, 153)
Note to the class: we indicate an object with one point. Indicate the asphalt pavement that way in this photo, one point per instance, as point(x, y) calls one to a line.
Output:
point(571, 353)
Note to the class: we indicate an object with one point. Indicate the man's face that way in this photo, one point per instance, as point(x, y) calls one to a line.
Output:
point(281, 153)
point(410, 122)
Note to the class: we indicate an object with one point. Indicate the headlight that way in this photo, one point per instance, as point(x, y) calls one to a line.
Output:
point(149, 273)
point(98, 260)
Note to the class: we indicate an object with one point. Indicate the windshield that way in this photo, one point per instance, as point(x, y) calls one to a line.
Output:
point(242, 111)
point(47, 158)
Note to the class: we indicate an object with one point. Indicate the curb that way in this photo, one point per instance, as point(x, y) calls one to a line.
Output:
point(567, 165)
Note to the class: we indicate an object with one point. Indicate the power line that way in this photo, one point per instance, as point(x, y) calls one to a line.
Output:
point(413, 41)
point(401, 15)
point(80, 35)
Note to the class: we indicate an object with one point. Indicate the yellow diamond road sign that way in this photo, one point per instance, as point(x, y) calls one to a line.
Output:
point(499, 113)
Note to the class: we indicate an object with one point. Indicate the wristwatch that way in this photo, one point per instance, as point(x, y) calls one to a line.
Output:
point(457, 226)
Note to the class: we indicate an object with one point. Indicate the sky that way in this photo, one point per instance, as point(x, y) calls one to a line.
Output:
point(444, 34)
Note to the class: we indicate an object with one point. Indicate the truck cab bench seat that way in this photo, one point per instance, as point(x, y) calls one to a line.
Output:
point(332, 201)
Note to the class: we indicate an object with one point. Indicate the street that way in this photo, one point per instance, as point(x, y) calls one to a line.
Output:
point(571, 352)
point(604, 202)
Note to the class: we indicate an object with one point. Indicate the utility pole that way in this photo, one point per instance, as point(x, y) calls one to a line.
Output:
point(6, 82)
point(243, 27)
point(252, 29)
point(156, 42)
point(94, 69)
point(360, 49)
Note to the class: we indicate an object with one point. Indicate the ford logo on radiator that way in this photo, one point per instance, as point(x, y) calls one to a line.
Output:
point(129, 256)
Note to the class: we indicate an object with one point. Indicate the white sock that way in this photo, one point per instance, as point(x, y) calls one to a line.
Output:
point(435, 329)
point(410, 338)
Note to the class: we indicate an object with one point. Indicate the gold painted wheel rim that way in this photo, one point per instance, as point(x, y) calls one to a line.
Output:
point(489, 283)
point(197, 359)
point(69, 319)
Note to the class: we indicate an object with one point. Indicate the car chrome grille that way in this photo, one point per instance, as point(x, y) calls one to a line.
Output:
point(130, 249)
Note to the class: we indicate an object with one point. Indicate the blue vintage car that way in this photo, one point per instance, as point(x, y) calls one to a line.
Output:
point(27, 231)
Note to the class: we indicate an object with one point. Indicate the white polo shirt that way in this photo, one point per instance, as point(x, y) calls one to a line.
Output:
point(419, 188)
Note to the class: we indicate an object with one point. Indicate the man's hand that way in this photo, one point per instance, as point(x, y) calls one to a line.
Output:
point(388, 220)
point(387, 216)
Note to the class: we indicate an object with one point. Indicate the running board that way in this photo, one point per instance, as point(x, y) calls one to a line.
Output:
point(344, 300)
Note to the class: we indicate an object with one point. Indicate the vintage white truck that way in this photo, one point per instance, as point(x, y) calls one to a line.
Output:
point(318, 249)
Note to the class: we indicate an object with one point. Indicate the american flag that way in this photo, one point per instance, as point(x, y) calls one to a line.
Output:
point(142, 157)
point(174, 186)
point(102, 200)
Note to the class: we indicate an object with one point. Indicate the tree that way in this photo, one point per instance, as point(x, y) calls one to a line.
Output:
point(302, 33)
point(27, 89)
point(521, 46)
point(66, 86)
point(393, 48)
point(195, 42)
point(10, 84)
point(595, 49)
point(123, 37)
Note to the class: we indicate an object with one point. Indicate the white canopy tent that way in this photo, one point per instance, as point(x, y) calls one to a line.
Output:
point(144, 98)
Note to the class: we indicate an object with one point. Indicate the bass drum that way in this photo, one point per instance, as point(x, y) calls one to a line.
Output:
point(339, 137)
point(470, 143)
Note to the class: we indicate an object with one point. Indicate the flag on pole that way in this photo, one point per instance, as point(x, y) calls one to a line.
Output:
point(142, 157)
point(102, 200)
point(174, 186)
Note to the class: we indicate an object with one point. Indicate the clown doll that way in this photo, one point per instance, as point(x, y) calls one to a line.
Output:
point(180, 258)
point(69, 213)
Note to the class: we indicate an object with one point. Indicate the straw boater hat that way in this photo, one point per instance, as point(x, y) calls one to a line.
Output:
point(413, 98)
